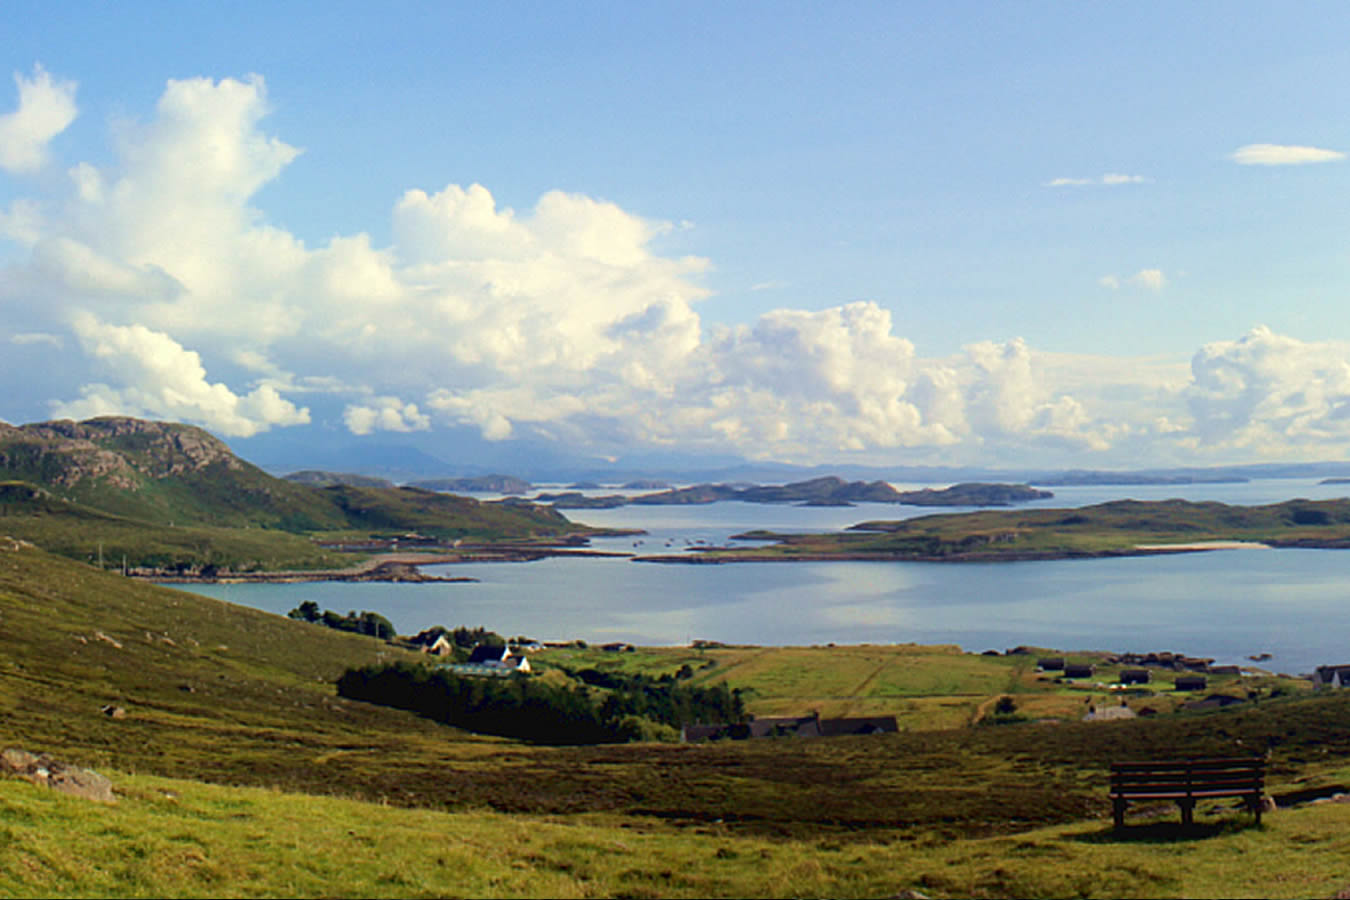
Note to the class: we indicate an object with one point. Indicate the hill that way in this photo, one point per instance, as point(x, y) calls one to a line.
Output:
point(316, 478)
point(156, 491)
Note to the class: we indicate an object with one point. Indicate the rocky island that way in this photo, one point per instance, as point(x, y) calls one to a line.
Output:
point(826, 491)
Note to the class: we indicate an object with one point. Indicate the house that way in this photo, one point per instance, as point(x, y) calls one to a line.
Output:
point(1191, 683)
point(498, 658)
point(791, 726)
point(1051, 664)
point(1331, 677)
point(1135, 676)
point(1225, 670)
point(1078, 670)
point(439, 647)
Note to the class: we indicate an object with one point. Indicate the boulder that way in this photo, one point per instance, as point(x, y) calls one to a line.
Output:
point(39, 768)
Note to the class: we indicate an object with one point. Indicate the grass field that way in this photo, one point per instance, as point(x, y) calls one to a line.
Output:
point(184, 839)
point(924, 687)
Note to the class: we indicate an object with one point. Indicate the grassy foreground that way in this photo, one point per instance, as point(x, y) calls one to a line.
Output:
point(184, 839)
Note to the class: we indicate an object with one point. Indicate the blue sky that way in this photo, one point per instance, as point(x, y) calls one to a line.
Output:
point(1003, 234)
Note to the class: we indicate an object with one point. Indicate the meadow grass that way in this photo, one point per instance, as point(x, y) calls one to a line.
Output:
point(178, 838)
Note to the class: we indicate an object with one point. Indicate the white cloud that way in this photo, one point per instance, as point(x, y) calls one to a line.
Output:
point(1283, 155)
point(1111, 179)
point(161, 379)
point(1270, 393)
point(384, 414)
point(46, 108)
point(1148, 279)
point(37, 337)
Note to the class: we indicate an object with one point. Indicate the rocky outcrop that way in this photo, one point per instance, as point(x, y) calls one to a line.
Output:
point(41, 769)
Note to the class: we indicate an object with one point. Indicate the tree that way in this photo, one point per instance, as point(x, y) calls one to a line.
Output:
point(308, 611)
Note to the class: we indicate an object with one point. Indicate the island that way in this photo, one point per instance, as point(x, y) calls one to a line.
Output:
point(825, 491)
point(1118, 528)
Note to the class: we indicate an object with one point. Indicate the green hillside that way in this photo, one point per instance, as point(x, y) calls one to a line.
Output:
point(166, 495)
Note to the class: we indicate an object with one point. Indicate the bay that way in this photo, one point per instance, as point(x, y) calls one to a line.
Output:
point(1225, 604)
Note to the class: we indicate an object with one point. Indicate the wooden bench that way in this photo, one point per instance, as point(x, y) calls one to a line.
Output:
point(1186, 781)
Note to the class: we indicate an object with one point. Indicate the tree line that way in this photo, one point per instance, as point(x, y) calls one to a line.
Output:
point(636, 707)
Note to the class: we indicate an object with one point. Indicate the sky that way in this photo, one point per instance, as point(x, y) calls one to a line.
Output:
point(1004, 235)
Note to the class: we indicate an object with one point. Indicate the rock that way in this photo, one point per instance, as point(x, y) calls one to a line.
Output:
point(57, 775)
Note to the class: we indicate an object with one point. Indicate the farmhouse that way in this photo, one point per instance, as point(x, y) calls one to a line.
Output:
point(1051, 664)
point(1191, 683)
point(1078, 670)
point(1331, 677)
point(1135, 676)
point(494, 659)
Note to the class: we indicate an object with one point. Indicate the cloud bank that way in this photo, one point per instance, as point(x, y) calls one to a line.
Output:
point(164, 292)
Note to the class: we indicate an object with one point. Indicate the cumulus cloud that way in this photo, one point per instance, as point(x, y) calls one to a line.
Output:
point(46, 108)
point(1270, 393)
point(384, 414)
point(157, 377)
point(1110, 179)
point(1282, 155)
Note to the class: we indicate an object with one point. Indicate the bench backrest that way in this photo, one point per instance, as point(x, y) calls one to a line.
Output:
point(1239, 775)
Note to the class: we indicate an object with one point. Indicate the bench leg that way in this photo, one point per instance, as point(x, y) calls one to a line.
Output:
point(1118, 812)
point(1187, 811)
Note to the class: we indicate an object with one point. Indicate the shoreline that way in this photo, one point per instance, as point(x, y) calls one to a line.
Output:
point(399, 568)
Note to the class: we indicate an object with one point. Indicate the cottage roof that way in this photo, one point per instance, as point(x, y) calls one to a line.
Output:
point(485, 653)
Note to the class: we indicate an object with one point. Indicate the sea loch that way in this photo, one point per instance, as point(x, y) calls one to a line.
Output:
point(1226, 604)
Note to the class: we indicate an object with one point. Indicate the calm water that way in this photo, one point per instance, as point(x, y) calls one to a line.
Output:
point(1225, 604)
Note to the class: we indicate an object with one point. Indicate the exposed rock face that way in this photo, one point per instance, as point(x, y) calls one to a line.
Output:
point(39, 768)
point(116, 448)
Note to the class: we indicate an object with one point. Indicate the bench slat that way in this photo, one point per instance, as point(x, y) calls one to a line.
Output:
point(1185, 781)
